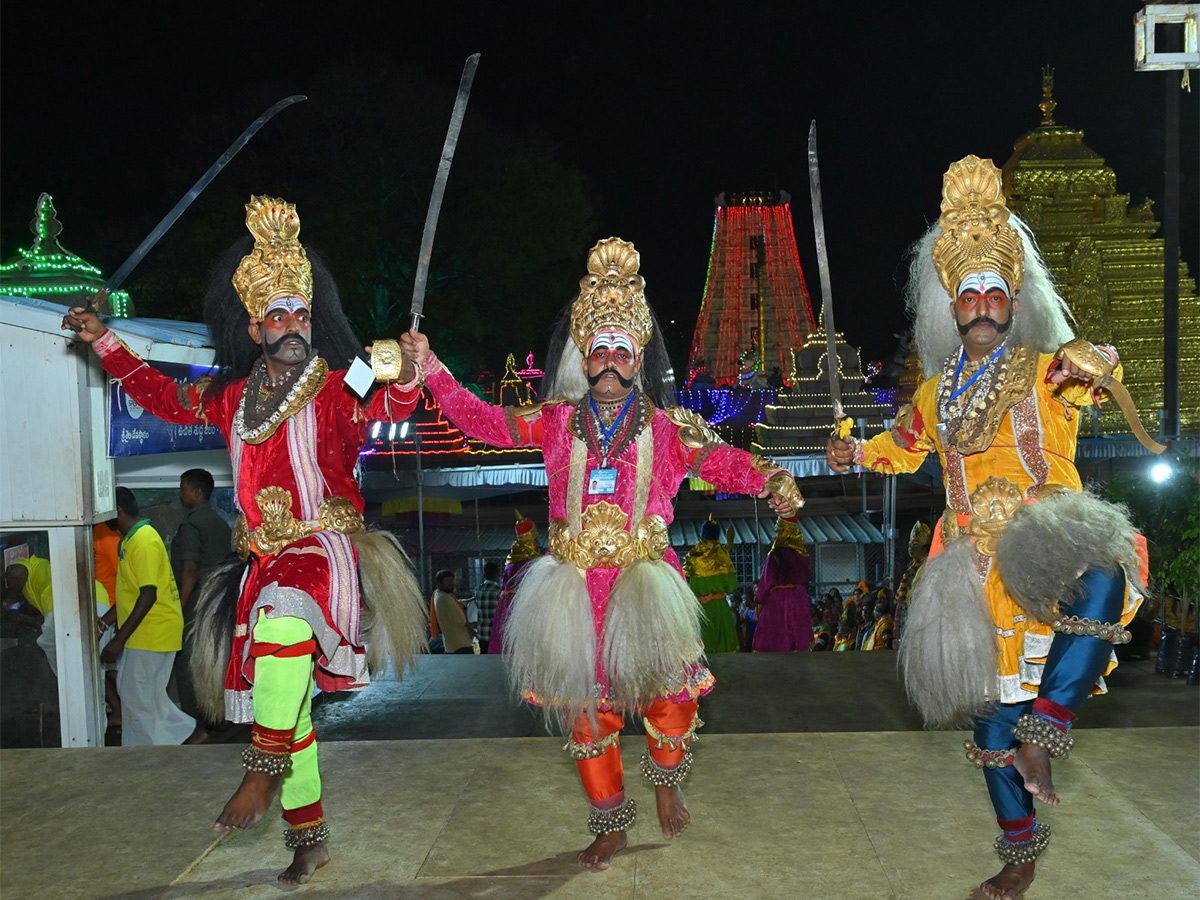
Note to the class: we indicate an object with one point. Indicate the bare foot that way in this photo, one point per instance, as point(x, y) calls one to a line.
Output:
point(601, 851)
point(673, 813)
point(198, 736)
point(1008, 882)
point(1033, 762)
point(306, 861)
point(249, 802)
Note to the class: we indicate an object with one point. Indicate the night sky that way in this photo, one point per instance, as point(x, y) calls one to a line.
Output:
point(659, 105)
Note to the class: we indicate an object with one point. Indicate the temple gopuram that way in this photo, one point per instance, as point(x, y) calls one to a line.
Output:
point(49, 272)
point(756, 306)
point(1105, 261)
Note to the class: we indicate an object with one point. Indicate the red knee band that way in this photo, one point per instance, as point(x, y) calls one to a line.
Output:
point(1017, 830)
point(271, 740)
point(304, 816)
point(307, 741)
point(283, 651)
point(1054, 711)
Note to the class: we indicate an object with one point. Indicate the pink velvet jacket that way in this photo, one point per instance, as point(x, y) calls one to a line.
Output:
point(728, 468)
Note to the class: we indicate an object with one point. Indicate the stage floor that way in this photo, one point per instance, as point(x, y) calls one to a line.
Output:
point(833, 814)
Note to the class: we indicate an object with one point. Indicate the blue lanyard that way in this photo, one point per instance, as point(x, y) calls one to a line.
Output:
point(608, 432)
point(962, 357)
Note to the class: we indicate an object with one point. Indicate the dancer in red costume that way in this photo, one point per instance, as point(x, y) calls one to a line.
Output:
point(294, 429)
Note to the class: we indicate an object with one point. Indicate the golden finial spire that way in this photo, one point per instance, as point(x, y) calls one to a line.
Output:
point(1048, 102)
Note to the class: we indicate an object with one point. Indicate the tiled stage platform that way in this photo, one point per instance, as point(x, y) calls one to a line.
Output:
point(822, 812)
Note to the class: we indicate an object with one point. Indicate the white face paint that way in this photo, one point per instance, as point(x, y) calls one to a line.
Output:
point(287, 304)
point(982, 282)
point(613, 341)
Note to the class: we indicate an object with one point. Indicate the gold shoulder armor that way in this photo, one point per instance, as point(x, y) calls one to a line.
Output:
point(694, 431)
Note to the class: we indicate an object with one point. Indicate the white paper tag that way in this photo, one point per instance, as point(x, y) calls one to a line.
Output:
point(603, 481)
point(360, 377)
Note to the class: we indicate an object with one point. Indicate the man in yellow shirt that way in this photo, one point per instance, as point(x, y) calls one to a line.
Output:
point(149, 633)
point(1029, 580)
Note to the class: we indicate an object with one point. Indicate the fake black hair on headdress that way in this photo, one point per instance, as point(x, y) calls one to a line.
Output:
point(227, 319)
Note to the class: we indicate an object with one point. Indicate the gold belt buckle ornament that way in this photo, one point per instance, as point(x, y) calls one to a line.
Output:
point(280, 527)
point(604, 542)
point(993, 506)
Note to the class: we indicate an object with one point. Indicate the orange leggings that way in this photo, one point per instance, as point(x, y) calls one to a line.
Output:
point(603, 776)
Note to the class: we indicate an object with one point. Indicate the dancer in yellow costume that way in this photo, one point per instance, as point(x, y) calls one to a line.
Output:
point(1029, 579)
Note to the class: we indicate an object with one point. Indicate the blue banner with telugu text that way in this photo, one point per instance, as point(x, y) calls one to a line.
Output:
point(133, 431)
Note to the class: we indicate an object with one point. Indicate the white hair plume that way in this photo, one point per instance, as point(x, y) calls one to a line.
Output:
point(393, 608)
point(550, 640)
point(651, 634)
point(1042, 318)
point(949, 653)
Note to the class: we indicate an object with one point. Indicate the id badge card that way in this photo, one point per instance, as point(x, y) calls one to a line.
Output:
point(603, 481)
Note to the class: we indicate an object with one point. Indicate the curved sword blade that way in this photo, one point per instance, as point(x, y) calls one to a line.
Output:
point(185, 201)
point(439, 188)
point(818, 211)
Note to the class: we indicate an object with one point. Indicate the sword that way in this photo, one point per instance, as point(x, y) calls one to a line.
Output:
point(842, 424)
point(439, 188)
point(185, 201)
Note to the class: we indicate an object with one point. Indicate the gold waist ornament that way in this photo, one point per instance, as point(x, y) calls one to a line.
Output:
point(280, 528)
point(994, 505)
point(605, 542)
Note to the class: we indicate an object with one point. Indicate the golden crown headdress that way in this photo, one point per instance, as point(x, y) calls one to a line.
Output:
point(611, 295)
point(976, 236)
point(278, 266)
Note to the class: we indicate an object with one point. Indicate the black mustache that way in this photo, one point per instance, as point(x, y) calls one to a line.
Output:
point(272, 349)
point(984, 320)
point(593, 380)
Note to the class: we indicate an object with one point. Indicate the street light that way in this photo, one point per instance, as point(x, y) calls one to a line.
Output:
point(1174, 25)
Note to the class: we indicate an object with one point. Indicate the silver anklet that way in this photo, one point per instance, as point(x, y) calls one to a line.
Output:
point(1034, 729)
point(607, 821)
point(1113, 632)
point(255, 760)
point(1014, 853)
point(295, 838)
point(660, 777)
point(992, 759)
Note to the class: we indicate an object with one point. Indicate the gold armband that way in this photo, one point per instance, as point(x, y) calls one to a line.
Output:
point(783, 484)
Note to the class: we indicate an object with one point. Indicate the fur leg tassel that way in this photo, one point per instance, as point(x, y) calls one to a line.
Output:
point(212, 634)
point(948, 655)
point(651, 634)
point(1052, 542)
point(550, 640)
point(393, 612)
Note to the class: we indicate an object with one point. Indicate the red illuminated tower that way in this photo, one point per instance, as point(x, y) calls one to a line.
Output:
point(756, 307)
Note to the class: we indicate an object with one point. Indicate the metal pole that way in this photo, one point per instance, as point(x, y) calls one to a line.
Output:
point(420, 509)
point(1171, 259)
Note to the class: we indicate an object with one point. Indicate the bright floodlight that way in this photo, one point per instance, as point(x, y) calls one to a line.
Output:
point(1160, 472)
point(404, 430)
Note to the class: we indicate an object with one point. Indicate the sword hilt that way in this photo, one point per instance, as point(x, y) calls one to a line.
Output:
point(416, 321)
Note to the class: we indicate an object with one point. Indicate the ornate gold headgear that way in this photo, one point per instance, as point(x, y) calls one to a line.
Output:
point(921, 534)
point(976, 236)
point(611, 295)
point(278, 266)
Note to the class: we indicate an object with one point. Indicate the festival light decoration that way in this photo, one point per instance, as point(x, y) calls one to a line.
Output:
point(47, 270)
point(755, 298)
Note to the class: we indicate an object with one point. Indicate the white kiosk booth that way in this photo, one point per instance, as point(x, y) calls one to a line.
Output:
point(61, 460)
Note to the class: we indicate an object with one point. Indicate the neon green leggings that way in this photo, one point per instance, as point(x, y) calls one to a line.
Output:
point(282, 697)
